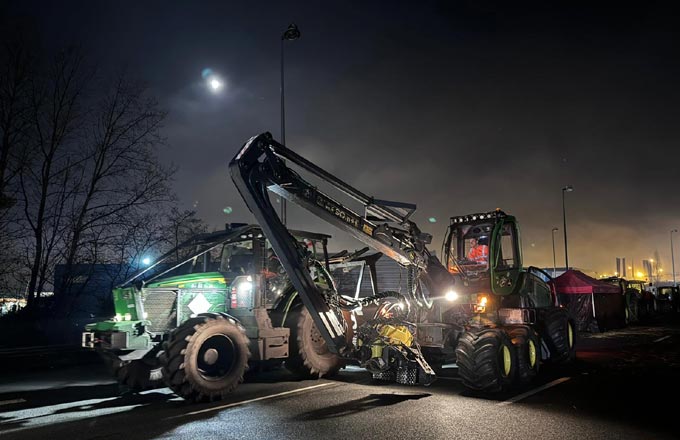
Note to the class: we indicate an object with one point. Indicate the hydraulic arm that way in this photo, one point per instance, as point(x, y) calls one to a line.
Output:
point(261, 166)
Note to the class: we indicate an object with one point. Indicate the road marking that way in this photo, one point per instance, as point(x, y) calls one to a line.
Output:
point(661, 339)
point(534, 391)
point(9, 402)
point(244, 402)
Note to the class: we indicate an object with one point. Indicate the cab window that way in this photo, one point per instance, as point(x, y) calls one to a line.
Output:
point(469, 248)
point(541, 295)
point(507, 258)
point(237, 258)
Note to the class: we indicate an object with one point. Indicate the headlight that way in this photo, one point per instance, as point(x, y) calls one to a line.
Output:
point(451, 295)
point(480, 307)
point(245, 286)
point(242, 292)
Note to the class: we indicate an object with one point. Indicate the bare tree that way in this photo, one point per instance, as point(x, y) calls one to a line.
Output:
point(46, 182)
point(80, 156)
point(16, 66)
point(181, 226)
point(15, 69)
point(119, 173)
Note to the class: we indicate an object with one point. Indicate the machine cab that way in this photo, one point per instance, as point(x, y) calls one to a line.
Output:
point(224, 259)
point(485, 246)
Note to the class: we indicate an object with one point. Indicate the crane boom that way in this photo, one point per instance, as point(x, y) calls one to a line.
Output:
point(261, 166)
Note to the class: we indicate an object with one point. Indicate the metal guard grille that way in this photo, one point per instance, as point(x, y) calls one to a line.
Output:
point(160, 306)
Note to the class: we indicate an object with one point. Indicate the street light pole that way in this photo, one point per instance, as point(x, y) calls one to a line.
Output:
point(567, 188)
point(554, 260)
point(673, 257)
point(292, 33)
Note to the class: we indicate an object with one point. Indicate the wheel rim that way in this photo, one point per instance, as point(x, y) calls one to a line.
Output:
point(507, 361)
point(532, 354)
point(571, 334)
point(216, 357)
point(318, 343)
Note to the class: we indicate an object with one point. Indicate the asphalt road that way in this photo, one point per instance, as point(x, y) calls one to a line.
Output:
point(624, 385)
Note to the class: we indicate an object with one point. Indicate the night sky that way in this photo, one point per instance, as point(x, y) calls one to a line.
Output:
point(459, 107)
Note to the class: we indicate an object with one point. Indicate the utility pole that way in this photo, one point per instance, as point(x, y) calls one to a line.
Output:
point(292, 33)
point(673, 257)
point(567, 188)
point(554, 260)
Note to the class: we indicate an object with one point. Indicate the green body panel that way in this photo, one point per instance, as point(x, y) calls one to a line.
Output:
point(136, 338)
point(212, 285)
point(205, 280)
point(115, 326)
point(124, 302)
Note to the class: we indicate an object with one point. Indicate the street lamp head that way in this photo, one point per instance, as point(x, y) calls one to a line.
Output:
point(555, 229)
point(292, 33)
point(568, 188)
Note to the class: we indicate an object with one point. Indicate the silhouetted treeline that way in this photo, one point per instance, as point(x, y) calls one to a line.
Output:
point(81, 180)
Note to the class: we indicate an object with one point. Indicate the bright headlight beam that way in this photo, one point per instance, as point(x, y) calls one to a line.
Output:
point(244, 286)
point(451, 295)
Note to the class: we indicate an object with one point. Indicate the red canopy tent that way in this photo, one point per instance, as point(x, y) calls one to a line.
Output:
point(596, 305)
point(574, 282)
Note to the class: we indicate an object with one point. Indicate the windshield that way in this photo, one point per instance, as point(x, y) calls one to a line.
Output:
point(469, 248)
point(664, 292)
point(637, 286)
point(232, 259)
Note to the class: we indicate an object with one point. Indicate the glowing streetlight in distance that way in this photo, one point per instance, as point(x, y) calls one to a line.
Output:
point(146, 261)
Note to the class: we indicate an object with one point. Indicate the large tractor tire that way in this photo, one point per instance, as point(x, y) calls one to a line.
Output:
point(528, 346)
point(137, 375)
point(205, 357)
point(309, 354)
point(487, 360)
point(559, 333)
point(646, 309)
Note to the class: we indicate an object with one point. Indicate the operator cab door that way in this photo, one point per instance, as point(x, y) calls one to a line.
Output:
point(536, 292)
point(505, 259)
